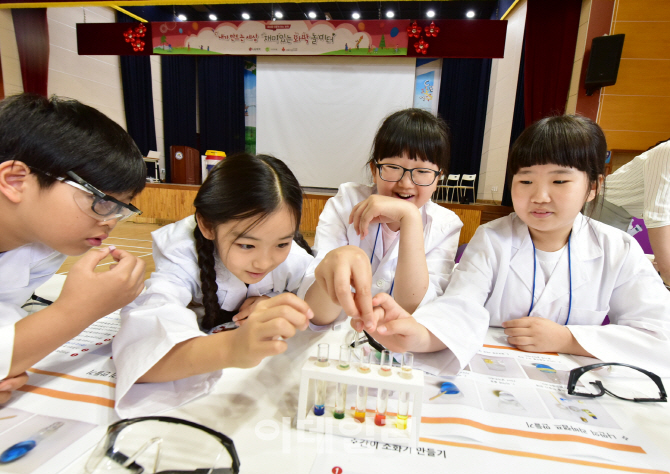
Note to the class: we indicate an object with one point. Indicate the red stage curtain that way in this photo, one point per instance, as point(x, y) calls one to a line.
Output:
point(551, 38)
point(32, 39)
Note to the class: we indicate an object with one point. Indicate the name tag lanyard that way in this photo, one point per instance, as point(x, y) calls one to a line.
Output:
point(373, 255)
point(532, 298)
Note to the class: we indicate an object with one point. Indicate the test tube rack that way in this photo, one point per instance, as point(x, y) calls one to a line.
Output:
point(348, 426)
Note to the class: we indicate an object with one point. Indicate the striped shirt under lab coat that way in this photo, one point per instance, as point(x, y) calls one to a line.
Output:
point(642, 187)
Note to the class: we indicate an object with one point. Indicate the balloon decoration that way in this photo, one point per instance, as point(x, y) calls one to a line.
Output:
point(421, 47)
point(414, 30)
point(432, 30)
point(133, 35)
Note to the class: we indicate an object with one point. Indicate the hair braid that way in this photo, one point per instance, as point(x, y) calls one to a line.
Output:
point(205, 249)
point(300, 240)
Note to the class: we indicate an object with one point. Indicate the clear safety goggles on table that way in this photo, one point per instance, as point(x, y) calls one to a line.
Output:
point(622, 381)
point(163, 445)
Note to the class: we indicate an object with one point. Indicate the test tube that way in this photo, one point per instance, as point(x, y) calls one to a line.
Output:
point(345, 357)
point(340, 401)
point(322, 355)
point(385, 364)
point(363, 360)
point(403, 410)
point(361, 403)
point(320, 399)
point(407, 364)
point(382, 401)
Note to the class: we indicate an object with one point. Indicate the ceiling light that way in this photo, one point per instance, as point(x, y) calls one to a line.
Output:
point(355, 15)
point(245, 16)
point(470, 14)
point(212, 17)
point(279, 15)
point(430, 13)
point(390, 14)
point(182, 17)
point(311, 15)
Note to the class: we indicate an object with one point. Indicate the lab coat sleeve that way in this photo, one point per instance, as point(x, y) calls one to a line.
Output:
point(151, 326)
point(458, 318)
point(331, 233)
point(10, 314)
point(23, 270)
point(639, 333)
point(441, 245)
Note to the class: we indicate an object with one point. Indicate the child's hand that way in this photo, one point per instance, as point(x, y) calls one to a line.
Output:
point(8, 385)
point(397, 330)
point(247, 307)
point(97, 294)
point(376, 209)
point(271, 321)
point(533, 334)
point(341, 269)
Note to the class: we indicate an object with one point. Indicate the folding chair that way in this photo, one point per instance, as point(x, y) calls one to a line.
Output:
point(452, 178)
point(440, 190)
point(467, 182)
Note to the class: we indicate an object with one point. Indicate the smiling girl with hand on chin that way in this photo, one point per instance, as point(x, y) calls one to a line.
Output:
point(389, 236)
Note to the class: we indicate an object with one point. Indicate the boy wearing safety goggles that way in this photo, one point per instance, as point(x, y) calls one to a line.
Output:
point(67, 175)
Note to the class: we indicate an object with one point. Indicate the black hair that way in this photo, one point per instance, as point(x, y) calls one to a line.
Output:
point(565, 140)
point(240, 187)
point(416, 132)
point(58, 135)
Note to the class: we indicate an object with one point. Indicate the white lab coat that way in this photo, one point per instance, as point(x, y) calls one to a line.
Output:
point(22, 270)
point(610, 276)
point(159, 318)
point(441, 229)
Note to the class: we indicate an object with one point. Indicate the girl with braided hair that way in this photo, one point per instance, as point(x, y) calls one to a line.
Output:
point(232, 265)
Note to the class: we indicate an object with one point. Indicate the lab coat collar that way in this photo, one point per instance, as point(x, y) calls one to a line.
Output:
point(584, 246)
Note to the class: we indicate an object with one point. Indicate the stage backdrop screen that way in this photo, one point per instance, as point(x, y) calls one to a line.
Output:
point(320, 114)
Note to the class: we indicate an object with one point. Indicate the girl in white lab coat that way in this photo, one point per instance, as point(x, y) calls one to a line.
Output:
point(67, 175)
point(389, 236)
point(546, 273)
point(214, 271)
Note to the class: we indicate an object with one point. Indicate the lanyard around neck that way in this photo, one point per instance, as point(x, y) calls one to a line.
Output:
point(373, 255)
point(532, 298)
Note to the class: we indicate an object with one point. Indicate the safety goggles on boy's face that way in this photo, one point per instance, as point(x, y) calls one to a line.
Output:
point(95, 203)
point(163, 445)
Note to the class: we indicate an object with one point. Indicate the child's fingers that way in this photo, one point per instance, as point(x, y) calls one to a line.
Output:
point(287, 299)
point(398, 327)
point(517, 332)
point(390, 308)
point(517, 323)
point(520, 341)
point(271, 330)
point(91, 259)
point(340, 288)
point(12, 383)
point(357, 324)
point(286, 313)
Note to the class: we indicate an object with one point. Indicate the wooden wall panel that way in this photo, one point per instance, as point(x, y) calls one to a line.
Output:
point(642, 77)
point(633, 113)
point(312, 205)
point(164, 203)
point(636, 141)
point(470, 219)
point(640, 10)
point(644, 39)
